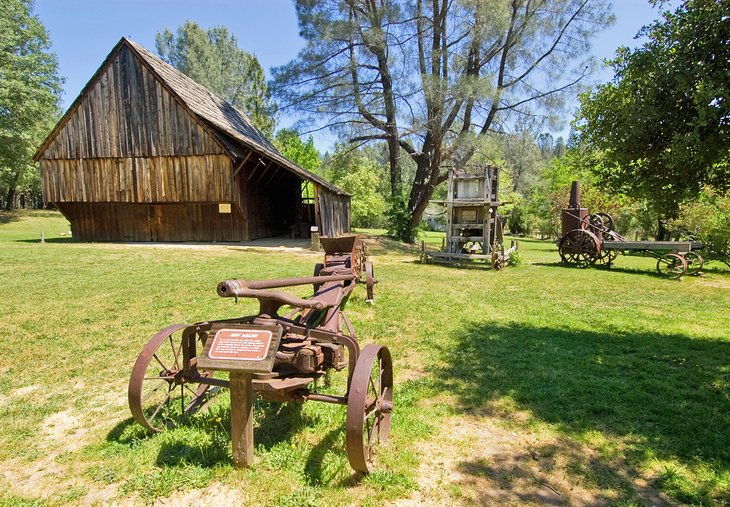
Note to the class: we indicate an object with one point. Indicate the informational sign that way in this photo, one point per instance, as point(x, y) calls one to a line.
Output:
point(248, 348)
point(468, 216)
point(224, 207)
point(240, 344)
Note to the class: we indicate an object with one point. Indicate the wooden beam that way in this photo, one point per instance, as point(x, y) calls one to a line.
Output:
point(266, 168)
point(280, 176)
point(250, 175)
point(240, 166)
point(273, 173)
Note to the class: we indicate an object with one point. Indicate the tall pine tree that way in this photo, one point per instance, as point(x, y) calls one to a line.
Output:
point(213, 59)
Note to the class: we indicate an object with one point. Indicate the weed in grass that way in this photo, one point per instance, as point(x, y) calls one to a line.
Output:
point(16, 501)
point(102, 475)
point(302, 497)
point(515, 259)
point(678, 482)
point(383, 479)
point(162, 482)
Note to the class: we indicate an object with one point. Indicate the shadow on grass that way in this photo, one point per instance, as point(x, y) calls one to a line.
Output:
point(666, 396)
point(381, 245)
point(48, 240)
point(613, 268)
point(275, 422)
point(456, 265)
point(7, 217)
point(315, 468)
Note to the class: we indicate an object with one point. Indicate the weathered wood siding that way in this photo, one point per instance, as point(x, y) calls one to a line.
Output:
point(202, 178)
point(334, 212)
point(129, 113)
point(130, 162)
point(153, 222)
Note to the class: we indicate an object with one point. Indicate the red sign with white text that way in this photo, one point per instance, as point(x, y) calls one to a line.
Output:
point(240, 344)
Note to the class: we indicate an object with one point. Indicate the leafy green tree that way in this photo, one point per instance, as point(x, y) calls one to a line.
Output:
point(708, 219)
point(551, 194)
point(662, 126)
point(358, 172)
point(433, 79)
point(213, 59)
point(29, 95)
point(523, 160)
point(304, 154)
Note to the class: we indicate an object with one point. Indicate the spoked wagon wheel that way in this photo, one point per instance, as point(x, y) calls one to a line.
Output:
point(694, 262)
point(606, 256)
point(159, 389)
point(594, 222)
point(606, 221)
point(579, 247)
point(369, 405)
point(370, 280)
point(671, 265)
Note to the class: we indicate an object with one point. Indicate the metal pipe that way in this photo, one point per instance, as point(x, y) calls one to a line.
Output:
point(575, 195)
point(326, 398)
point(227, 288)
point(212, 381)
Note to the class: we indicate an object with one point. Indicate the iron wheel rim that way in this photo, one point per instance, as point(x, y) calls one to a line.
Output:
point(579, 247)
point(159, 391)
point(671, 265)
point(369, 406)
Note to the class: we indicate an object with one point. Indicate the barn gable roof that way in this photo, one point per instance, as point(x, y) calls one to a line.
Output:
point(220, 116)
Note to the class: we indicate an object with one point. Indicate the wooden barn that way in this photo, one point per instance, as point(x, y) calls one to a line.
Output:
point(147, 154)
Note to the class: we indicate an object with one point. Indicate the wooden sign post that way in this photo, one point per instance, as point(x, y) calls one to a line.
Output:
point(242, 350)
point(242, 418)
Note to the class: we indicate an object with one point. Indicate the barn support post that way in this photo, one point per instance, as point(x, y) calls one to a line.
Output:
point(317, 214)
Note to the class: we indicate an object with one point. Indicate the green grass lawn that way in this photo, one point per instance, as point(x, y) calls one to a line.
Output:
point(615, 384)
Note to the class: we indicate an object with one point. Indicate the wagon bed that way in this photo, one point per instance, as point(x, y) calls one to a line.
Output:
point(669, 246)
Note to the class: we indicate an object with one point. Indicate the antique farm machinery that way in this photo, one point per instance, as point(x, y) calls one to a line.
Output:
point(473, 226)
point(275, 356)
point(590, 239)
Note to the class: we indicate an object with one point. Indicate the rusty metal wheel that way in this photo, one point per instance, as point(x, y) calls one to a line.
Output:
point(580, 247)
point(594, 223)
point(160, 391)
point(369, 405)
point(606, 256)
point(671, 265)
point(694, 262)
point(370, 280)
point(606, 221)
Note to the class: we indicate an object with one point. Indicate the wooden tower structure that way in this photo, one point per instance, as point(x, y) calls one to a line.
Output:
point(473, 226)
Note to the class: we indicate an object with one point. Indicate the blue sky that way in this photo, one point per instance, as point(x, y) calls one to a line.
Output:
point(84, 31)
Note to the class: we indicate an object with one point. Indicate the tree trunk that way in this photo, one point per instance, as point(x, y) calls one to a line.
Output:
point(427, 178)
point(10, 198)
point(396, 184)
point(661, 233)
